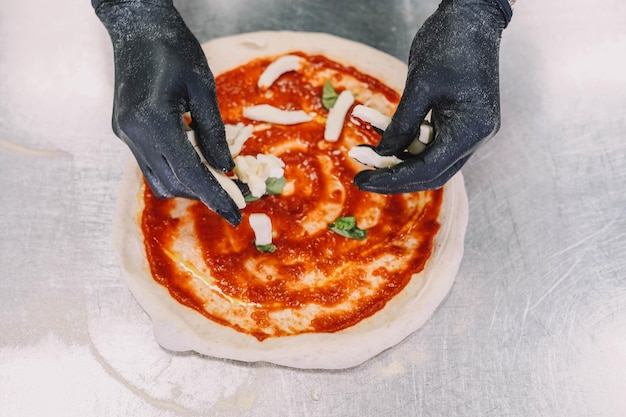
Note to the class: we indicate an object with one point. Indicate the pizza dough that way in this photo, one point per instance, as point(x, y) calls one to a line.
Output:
point(180, 328)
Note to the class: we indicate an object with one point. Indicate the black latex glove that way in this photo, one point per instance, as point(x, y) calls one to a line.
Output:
point(453, 70)
point(160, 73)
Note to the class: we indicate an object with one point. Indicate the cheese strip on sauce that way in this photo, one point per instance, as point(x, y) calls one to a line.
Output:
point(262, 226)
point(229, 186)
point(282, 65)
point(226, 183)
point(371, 116)
point(368, 156)
point(271, 114)
point(337, 116)
point(236, 136)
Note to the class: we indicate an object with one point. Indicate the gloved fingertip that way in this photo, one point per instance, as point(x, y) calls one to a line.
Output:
point(221, 203)
point(374, 180)
point(232, 216)
point(214, 147)
point(224, 163)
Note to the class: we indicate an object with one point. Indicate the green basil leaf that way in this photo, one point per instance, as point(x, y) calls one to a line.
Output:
point(346, 226)
point(329, 95)
point(275, 185)
point(358, 234)
point(270, 248)
point(345, 223)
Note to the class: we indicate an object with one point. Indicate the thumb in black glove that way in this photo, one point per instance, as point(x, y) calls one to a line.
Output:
point(160, 73)
point(453, 71)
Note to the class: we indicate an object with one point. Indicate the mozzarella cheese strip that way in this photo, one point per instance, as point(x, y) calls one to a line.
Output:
point(254, 171)
point(271, 114)
point(236, 136)
point(368, 156)
point(282, 65)
point(337, 116)
point(426, 133)
point(225, 182)
point(229, 186)
point(371, 116)
point(262, 226)
point(424, 138)
point(380, 121)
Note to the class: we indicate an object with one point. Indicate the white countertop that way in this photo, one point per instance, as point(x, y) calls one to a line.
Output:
point(535, 324)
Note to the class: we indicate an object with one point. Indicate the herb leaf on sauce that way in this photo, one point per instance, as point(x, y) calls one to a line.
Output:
point(275, 185)
point(329, 95)
point(269, 248)
point(346, 226)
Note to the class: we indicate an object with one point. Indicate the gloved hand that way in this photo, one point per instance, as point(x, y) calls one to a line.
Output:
point(453, 71)
point(160, 73)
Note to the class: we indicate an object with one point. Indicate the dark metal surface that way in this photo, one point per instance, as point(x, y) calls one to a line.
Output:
point(388, 26)
point(534, 326)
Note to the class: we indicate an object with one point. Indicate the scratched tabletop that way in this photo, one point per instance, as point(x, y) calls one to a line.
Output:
point(535, 324)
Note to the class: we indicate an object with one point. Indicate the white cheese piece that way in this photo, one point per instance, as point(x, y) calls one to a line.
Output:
point(282, 65)
point(271, 114)
point(416, 147)
point(337, 116)
point(270, 166)
point(245, 167)
point(229, 186)
point(262, 226)
point(424, 138)
point(368, 156)
point(426, 133)
point(236, 136)
point(254, 171)
point(224, 181)
point(257, 186)
point(371, 116)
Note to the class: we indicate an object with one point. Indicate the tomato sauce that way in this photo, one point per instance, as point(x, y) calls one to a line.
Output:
point(321, 175)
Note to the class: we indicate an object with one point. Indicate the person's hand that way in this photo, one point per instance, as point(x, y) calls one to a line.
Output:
point(160, 73)
point(453, 71)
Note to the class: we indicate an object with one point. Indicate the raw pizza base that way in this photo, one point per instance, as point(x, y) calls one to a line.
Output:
point(179, 328)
